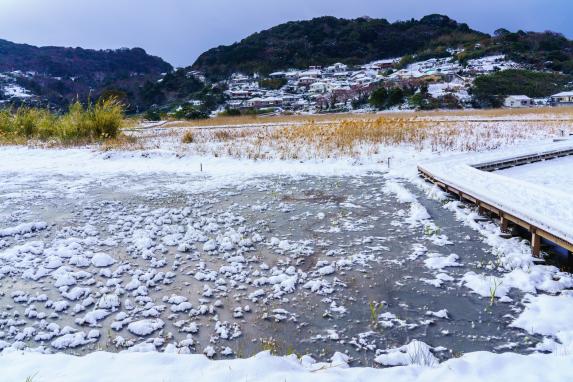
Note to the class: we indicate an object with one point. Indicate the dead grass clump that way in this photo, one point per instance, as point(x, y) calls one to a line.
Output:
point(122, 142)
point(187, 137)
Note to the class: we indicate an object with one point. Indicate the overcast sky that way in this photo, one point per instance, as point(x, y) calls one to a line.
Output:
point(179, 30)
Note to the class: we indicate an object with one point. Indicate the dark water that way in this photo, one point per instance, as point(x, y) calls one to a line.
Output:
point(329, 219)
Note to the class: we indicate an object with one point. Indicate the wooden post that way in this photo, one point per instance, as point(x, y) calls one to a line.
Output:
point(504, 225)
point(535, 244)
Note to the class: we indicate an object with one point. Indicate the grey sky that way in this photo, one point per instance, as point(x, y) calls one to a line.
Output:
point(179, 30)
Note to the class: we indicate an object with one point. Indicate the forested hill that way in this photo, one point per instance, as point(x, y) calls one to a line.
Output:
point(62, 62)
point(59, 74)
point(327, 40)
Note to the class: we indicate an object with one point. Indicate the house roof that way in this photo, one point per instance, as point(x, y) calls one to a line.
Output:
point(563, 94)
point(519, 97)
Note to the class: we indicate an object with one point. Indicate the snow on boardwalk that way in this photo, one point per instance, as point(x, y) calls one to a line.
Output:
point(555, 174)
point(545, 208)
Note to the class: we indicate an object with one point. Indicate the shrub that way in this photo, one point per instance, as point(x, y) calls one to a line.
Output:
point(152, 115)
point(272, 83)
point(92, 123)
point(231, 112)
point(106, 118)
point(189, 112)
point(383, 98)
point(187, 137)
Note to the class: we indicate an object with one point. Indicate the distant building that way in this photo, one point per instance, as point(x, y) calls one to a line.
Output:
point(336, 68)
point(277, 75)
point(306, 81)
point(318, 87)
point(518, 101)
point(258, 103)
point(385, 64)
point(562, 99)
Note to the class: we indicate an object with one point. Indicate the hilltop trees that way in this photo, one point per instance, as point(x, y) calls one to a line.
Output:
point(327, 40)
point(383, 98)
point(490, 90)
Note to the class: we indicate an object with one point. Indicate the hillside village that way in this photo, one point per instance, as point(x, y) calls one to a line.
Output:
point(341, 88)
point(336, 88)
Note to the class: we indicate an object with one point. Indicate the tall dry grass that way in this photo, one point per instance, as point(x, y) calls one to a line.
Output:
point(501, 114)
point(93, 123)
point(367, 136)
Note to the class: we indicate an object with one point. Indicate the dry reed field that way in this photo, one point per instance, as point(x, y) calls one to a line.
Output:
point(526, 113)
point(362, 135)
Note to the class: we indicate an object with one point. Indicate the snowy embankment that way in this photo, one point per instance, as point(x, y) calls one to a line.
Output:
point(96, 163)
point(149, 367)
point(547, 208)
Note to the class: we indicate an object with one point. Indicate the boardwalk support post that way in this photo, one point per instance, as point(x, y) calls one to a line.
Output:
point(504, 224)
point(535, 243)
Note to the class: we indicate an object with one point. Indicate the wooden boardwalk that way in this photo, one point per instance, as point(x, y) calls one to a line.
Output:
point(506, 218)
point(522, 160)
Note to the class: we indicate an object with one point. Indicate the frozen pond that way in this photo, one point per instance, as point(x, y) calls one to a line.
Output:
point(556, 174)
point(310, 265)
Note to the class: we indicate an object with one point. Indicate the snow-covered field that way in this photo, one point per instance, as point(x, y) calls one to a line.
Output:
point(151, 256)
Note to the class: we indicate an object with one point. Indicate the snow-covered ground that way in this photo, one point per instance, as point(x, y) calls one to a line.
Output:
point(145, 367)
point(15, 91)
point(160, 253)
point(449, 65)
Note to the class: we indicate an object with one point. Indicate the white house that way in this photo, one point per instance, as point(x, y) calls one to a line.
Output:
point(318, 87)
point(518, 101)
point(277, 75)
point(562, 99)
point(313, 73)
point(258, 103)
point(336, 68)
point(305, 81)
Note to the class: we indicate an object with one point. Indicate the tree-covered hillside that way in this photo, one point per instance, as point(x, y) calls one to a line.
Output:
point(65, 62)
point(543, 51)
point(490, 90)
point(60, 75)
point(327, 40)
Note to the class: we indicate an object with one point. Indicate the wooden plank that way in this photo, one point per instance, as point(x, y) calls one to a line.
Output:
point(554, 239)
point(518, 221)
point(469, 198)
point(522, 160)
